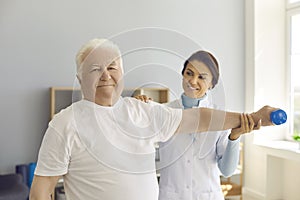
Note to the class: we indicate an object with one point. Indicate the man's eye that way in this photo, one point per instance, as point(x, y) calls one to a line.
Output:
point(111, 68)
point(96, 70)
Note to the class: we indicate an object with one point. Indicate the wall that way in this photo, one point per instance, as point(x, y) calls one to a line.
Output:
point(39, 40)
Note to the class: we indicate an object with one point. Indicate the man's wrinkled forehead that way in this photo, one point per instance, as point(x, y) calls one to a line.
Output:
point(101, 56)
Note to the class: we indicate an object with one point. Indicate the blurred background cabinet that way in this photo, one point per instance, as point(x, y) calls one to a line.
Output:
point(160, 95)
point(62, 97)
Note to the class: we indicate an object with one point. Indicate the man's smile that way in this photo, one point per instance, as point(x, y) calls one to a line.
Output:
point(106, 85)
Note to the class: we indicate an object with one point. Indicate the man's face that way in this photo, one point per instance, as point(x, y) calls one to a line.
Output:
point(102, 77)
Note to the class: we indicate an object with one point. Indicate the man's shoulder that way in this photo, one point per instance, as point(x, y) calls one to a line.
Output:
point(64, 118)
point(134, 103)
point(174, 104)
point(63, 113)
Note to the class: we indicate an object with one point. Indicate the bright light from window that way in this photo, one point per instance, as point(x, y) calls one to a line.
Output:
point(295, 70)
point(294, 1)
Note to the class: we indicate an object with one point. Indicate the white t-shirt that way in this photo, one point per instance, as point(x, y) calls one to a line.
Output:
point(107, 152)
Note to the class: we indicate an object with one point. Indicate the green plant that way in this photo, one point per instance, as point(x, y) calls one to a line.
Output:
point(296, 135)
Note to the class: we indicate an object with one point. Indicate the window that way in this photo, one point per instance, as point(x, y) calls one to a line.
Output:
point(293, 17)
point(293, 1)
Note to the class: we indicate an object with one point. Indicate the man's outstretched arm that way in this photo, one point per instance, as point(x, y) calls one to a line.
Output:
point(206, 119)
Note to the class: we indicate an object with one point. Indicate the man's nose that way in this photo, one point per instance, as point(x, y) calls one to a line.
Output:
point(105, 75)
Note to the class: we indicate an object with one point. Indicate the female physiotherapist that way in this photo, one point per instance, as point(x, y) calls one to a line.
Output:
point(193, 162)
point(190, 164)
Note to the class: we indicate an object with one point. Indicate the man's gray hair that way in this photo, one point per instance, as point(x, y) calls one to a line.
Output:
point(91, 45)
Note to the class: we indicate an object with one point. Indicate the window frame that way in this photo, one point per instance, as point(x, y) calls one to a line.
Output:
point(292, 5)
point(292, 9)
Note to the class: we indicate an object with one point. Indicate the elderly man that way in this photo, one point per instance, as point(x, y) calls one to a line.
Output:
point(104, 145)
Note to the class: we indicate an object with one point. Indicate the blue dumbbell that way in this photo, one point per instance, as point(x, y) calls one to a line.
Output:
point(278, 117)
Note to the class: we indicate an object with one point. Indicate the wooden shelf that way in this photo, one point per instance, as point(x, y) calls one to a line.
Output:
point(160, 95)
point(62, 97)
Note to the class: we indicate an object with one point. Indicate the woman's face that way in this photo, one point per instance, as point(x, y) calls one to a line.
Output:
point(197, 79)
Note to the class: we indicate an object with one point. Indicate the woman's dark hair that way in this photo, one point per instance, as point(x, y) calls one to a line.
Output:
point(209, 60)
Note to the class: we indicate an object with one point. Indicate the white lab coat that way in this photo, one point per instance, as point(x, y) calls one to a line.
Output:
point(189, 163)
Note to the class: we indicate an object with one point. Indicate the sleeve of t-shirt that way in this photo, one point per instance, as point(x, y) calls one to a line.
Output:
point(53, 155)
point(167, 120)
